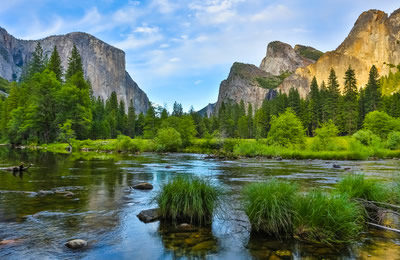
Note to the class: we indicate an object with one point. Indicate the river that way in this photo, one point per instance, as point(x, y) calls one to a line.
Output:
point(88, 196)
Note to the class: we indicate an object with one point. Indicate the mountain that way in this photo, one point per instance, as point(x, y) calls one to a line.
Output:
point(103, 64)
point(253, 85)
point(207, 110)
point(373, 40)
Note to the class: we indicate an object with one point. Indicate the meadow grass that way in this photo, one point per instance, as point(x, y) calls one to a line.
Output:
point(270, 205)
point(356, 186)
point(189, 200)
point(327, 218)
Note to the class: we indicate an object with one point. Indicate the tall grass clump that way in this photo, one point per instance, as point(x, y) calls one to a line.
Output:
point(269, 206)
point(327, 219)
point(190, 200)
point(355, 186)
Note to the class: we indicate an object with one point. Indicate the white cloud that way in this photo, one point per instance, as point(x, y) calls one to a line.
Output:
point(164, 45)
point(146, 29)
point(39, 31)
point(175, 59)
point(164, 6)
point(134, 42)
point(272, 13)
point(197, 82)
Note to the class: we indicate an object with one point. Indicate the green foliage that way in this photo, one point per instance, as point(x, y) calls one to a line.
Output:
point(66, 134)
point(327, 219)
point(74, 63)
point(5, 85)
point(355, 186)
point(270, 206)
point(125, 143)
point(393, 140)
point(168, 140)
point(381, 124)
point(37, 63)
point(390, 83)
point(308, 52)
point(286, 130)
point(324, 140)
point(54, 64)
point(350, 105)
point(185, 200)
point(367, 138)
point(272, 82)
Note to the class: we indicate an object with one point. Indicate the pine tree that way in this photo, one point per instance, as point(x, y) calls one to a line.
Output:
point(38, 61)
point(350, 105)
point(314, 105)
point(131, 120)
point(294, 100)
point(54, 64)
point(372, 91)
point(250, 121)
point(333, 96)
point(74, 63)
point(177, 109)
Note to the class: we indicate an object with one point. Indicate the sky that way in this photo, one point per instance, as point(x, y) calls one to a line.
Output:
point(181, 50)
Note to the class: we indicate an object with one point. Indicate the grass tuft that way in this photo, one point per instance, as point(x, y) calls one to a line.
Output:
point(269, 206)
point(355, 186)
point(327, 219)
point(190, 200)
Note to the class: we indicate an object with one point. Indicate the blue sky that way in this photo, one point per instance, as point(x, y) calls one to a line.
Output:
point(181, 50)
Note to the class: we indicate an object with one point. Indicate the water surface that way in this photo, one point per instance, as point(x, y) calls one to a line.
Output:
point(88, 196)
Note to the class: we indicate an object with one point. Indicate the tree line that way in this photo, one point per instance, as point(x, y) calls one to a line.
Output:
point(50, 105)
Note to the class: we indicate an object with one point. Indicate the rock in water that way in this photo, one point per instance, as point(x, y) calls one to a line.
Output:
point(103, 64)
point(149, 215)
point(143, 186)
point(76, 244)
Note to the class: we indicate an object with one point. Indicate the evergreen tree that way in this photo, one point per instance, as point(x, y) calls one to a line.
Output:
point(74, 63)
point(54, 64)
point(372, 92)
point(250, 121)
point(350, 105)
point(150, 124)
point(294, 101)
point(177, 109)
point(131, 120)
point(38, 61)
point(332, 99)
point(314, 106)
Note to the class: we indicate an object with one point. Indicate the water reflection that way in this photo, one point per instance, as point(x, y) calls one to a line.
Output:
point(87, 195)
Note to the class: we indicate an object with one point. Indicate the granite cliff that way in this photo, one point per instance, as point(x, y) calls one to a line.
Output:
point(253, 85)
point(104, 65)
point(373, 40)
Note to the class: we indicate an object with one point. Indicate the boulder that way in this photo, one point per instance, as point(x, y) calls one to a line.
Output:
point(149, 215)
point(143, 186)
point(76, 244)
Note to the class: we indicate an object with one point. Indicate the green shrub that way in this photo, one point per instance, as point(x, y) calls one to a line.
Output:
point(324, 140)
point(381, 123)
point(286, 130)
point(269, 206)
point(367, 138)
point(393, 141)
point(358, 151)
point(355, 186)
point(327, 219)
point(168, 139)
point(125, 143)
point(187, 200)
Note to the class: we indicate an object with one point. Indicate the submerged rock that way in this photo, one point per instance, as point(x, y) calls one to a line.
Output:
point(143, 186)
point(336, 166)
point(10, 241)
point(76, 244)
point(149, 215)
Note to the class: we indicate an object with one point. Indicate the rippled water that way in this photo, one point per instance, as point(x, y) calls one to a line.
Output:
point(39, 211)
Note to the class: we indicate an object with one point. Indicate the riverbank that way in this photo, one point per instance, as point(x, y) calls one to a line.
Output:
point(345, 148)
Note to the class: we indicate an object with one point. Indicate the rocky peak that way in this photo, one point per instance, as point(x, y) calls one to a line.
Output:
point(281, 58)
point(374, 40)
point(103, 64)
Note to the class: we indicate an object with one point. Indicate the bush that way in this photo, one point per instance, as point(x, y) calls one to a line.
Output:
point(125, 143)
point(286, 130)
point(367, 138)
point(168, 139)
point(325, 135)
point(327, 219)
point(381, 123)
point(269, 206)
point(187, 200)
point(355, 186)
point(393, 141)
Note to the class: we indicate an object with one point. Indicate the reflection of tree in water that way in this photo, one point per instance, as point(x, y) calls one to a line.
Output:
point(188, 241)
point(262, 246)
